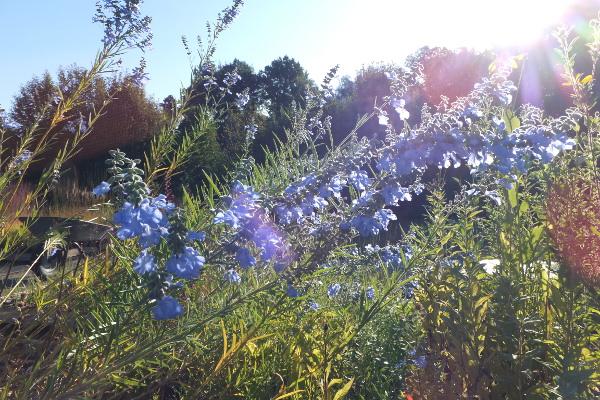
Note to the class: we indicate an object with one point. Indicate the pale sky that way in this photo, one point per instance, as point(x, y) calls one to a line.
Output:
point(39, 35)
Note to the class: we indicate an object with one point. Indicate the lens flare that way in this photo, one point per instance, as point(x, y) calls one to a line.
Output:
point(573, 210)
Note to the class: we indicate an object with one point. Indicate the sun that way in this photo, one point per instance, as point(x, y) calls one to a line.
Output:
point(515, 22)
point(389, 30)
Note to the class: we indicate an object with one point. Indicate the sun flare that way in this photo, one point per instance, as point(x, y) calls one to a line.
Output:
point(388, 30)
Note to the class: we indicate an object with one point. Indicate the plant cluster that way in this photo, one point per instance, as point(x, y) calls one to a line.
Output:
point(297, 285)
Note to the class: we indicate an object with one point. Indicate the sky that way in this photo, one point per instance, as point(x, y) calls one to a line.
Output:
point(41, 35)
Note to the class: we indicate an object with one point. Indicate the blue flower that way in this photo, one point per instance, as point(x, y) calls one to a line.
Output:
point(334, 290)
point(245, 258)
point(310, 203)
point(145, 221)
point(420, 362)
point(227, 217)
point(392, 258)
point(408, 290)
point(24, 157)
point(370, 293)
point(232, 276)
point(393, 193)
point(291, 291)
point(167, 308)
point(162, 203)
point(231, 78)
point(196, 236)
point(144, 263)
point(471, 114)
point(186, 265)
point(398, 105)
point(359, 179)
point(332, 189)
point(364, 199)
point(314, 306)
point(366, 226)
point(241, 206)
point(384, 216)
point(288, 214)
point(251, 131)
point(383, 119)
point(279, 266)
point(101, 189)
point(268, 240)
point(242, 99)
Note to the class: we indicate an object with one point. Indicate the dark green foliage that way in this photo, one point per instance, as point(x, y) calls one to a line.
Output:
point(32, 100)
point(128, 117)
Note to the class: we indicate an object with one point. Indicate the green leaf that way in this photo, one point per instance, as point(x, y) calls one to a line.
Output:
point(511, 121)
point(446, 238)
point(290, 394)
point(340, 394)
point(587, 80)
point(536, 233)
point(523, 208)
point(512, 197)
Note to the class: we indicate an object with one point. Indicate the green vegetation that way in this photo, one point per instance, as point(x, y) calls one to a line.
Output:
point(488, 291)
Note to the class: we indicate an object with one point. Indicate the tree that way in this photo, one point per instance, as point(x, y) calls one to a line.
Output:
point(283, 83)
point(31, 101)
point(168, 105)
point(128, 118)
point(450, 73)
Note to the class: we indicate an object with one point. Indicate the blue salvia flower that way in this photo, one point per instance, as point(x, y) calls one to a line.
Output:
point(366, 226)
point(292, 291)
point(384, 217)
point(245, 258)
point(314, 202)
point(408, 290)
point(167, 308)
point(186, 265)
point(21, 158)
point(472, 114)
point(393, 193)
point(162, 203)
point(251, 131)
point(122, 20)
point(144, 263)
point(146, 221)
point(392, 258)
point(196, 236)
point(370, 293)
point(269, 241)
point(232, 276)
point(242, 99)
point(418, 361)
point(359, 179)
point(399, 105)
point(242, 205)
point(227, 217)
point(383, 119)
point(231, 78)
point(333, 188)
point(280, 266)
point(289, 214)
point(334, 289)
point(101, 189)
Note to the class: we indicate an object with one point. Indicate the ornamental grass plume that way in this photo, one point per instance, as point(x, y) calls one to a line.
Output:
point(573, 209)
